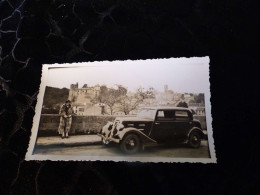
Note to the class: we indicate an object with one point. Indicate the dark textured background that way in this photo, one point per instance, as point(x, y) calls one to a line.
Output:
point(36, 32)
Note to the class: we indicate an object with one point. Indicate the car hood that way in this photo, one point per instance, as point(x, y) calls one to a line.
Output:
point(137, 119)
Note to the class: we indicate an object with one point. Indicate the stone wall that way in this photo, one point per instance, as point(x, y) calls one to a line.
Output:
point(83, 124)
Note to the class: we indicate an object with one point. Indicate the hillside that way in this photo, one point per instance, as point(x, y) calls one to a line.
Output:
point(55, 96)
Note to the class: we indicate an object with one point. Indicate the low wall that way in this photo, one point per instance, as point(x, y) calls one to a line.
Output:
point(83, 124)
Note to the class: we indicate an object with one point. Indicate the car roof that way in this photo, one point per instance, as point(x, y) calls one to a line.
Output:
point(167, 108)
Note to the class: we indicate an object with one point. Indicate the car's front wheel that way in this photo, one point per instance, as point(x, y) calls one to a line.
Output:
point(130, 144)
point(194, 140)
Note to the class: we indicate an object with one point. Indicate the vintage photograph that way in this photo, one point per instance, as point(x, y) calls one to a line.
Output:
point(146, 110)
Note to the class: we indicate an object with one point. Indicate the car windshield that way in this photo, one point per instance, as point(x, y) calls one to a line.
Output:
point(147, 113)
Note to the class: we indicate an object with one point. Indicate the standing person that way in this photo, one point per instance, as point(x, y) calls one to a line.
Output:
point(182, 104)
point(65, 113)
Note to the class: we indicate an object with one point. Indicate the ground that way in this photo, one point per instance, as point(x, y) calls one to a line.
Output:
point(90, 145)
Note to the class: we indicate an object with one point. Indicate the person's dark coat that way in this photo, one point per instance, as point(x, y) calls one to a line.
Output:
point(182, 104)
point(65, 119)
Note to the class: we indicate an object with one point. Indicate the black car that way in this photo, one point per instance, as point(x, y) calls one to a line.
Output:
point(153, 125)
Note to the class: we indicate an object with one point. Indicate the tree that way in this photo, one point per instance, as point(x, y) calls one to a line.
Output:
point(142, 94)
point(54, 96)
point(199, 98)
point(102, 95)
point(192, 101)
point(129, 103)
point(118, 97)
point(110, 96)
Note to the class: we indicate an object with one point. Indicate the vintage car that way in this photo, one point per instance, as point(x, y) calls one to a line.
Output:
point(153, 125)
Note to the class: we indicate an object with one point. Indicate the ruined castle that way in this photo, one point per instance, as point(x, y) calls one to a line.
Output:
point(81, 99)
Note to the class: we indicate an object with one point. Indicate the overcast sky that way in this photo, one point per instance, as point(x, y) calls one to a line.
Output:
point(180, 74)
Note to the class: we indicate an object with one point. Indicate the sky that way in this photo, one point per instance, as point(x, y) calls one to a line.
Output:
point(180, 74)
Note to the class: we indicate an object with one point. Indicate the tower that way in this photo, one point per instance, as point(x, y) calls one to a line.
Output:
point(72, 92)
point(74, 86)
point(165, 88)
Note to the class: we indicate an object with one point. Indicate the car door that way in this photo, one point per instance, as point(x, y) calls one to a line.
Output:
point(163, 127)
point(183, 123)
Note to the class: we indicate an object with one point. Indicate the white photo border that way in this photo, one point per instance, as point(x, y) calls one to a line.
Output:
point(36, 120)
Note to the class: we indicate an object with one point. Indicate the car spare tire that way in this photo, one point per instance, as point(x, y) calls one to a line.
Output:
point(130, 144)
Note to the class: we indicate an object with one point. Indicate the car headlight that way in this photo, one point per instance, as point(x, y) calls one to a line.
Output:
point(120, 126)
point(110, 125)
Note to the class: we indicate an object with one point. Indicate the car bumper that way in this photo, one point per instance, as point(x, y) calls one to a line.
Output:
point(108, 139)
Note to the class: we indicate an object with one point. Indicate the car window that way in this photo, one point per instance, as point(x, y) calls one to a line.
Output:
point(165, 115)
point(147, 113)
point(181, 115)
point(160, 114)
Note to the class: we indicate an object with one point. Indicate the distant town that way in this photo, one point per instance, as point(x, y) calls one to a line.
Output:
point(101, 100)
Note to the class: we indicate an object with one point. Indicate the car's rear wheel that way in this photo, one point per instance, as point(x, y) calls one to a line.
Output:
point(194, 139)
point(130, 144)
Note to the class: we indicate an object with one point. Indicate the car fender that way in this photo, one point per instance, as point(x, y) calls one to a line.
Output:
point(197, 130)
point(144, 138)
point(106, 130)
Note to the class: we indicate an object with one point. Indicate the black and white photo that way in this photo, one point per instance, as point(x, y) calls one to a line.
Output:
point(146, 110)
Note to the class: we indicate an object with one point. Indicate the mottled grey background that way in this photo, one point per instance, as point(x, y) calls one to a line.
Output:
point(36, 32)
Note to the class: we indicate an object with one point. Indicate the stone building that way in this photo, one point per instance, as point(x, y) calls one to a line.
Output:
point(81, 99)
